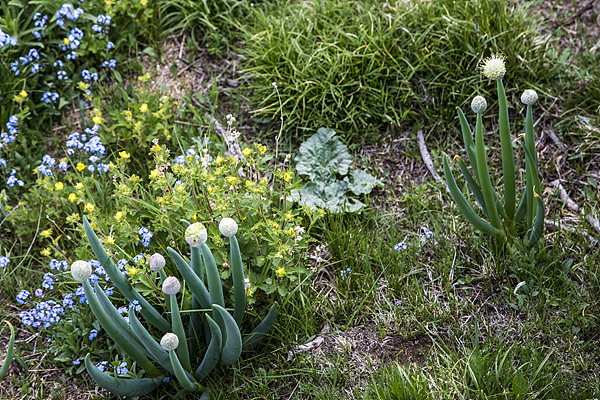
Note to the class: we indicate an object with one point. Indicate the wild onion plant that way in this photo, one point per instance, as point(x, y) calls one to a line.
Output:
point(10, 351)
point(172, 355)
point(501, 219)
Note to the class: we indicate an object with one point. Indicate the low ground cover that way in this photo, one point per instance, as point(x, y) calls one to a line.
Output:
point(403, 299)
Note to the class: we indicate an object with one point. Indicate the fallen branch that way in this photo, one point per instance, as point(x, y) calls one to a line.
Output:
point(571, 205)
point(427, 158)
point(555, 139)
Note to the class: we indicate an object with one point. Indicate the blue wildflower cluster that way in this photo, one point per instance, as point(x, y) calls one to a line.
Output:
point(6, 40)
point(50, 97)
point(146, 236)
point(43, 314)
point(90, 143)
point(12, 179)
point(122, 369)
point(4, 261)
point(46, 313)
point(69, 12)
point(5, 139)
point(400, 246)
point(39, 22)
point(93, 334)
point(346, 271)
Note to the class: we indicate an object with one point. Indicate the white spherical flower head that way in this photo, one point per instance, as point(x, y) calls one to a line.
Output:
point(494, 67)
point(228, 227)
point(81, 270)
point(196, 234)
point(171, 285)
point(529, 97)
point(479, 105)
point(169, 341)
point(157, 262)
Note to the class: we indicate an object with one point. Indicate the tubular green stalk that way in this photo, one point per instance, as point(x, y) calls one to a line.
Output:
point(484, 175)
point(121, 282)
point(464, 205)
point(258, 334)
point(213, 352)
point(182, 349)
point(215, 286)
point(118, 335)
point(10, 351)
point(192, 280)
point(239, 287)
point(122, 386)
point(468, 140)
point(508, 160)
point(233, 344)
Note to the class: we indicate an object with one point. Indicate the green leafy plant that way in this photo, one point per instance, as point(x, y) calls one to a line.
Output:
point(501, 219)
point(10, 351)
point(322, 158)
point(206, 312)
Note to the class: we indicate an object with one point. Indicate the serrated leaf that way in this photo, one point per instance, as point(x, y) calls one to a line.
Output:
point(322, 156)
point(361, 182)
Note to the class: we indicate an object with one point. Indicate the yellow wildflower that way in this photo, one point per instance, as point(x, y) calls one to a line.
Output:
point(219, 159)
point(132, 271)
point(280, 271)
point(249, 292)
point(79, 187)
point(289, 216)
point(144, 108)
point(156, 147)
point(232, 180)
point(46, 252)
point(119, 215)
point(143, 2)
point(89, 207)
point(80, 166)
point(109, 2)
point(23, 94)
point(154, 174)
point(124, 154)
point(72, 197)
point(46, 233)
point(109, 240)
point(58, 186)
point(247, 151)
point(97, 120)
point(287, 176)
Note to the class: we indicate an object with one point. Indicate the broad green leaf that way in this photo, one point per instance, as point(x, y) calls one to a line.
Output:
point(361, 182)
point(322, 156)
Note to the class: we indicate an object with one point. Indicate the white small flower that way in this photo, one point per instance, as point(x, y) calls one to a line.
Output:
point(157, 262)
point(494, 67)
point(196, 234)
point(81, 270)
point(169, 341)
point(171, 286)
point(529, 97)
point(479, 105)
point(228, 227)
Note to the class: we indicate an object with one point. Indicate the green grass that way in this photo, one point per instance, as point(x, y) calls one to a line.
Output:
point(359, 66)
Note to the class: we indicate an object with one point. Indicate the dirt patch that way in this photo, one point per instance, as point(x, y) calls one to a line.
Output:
point(362, 348)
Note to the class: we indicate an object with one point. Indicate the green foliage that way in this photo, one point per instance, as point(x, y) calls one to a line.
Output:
point(322, 158)
point(356, 66)
point(276, 234)
point(531, 209)
point(135, 341)
point(10, 351)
